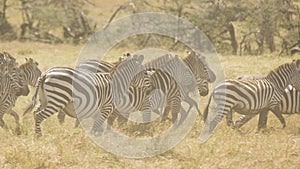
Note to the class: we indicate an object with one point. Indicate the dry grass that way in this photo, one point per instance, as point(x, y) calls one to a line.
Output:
point(62, 146)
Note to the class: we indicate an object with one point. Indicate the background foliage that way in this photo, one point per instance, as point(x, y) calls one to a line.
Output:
point(234, 26)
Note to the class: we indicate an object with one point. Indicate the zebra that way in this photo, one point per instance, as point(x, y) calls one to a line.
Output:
point(9, 65)
point(14, 83)
point(250, 96)
point(9, 89)
point(163, 81)
point(184, 72)
point(158, 99)
point(67, 89)
point(289, 104)
point(94, 66)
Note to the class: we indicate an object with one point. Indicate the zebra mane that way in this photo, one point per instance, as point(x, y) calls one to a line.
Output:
point(126, 61)
point(29, 62)
point(158, 62)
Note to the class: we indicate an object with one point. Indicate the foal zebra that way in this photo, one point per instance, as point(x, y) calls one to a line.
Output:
point(14, 83)
point(70, 90)
point(250, 96)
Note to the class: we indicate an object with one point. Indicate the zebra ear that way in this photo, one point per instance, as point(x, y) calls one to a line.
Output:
point(140, 58)
point(297, 63)
point(150, 72)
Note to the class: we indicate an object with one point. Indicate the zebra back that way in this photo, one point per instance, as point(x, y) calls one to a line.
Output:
point(95, 66)
point(174, 66)
point(160, 61)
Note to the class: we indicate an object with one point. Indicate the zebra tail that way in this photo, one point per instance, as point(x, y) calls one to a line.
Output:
point(33, 99)
point(205, 113)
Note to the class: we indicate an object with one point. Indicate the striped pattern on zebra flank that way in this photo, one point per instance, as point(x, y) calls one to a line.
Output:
point(289, 104)
point(250, 96)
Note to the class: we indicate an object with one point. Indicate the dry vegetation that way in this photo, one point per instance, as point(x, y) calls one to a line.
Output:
point(62, 146)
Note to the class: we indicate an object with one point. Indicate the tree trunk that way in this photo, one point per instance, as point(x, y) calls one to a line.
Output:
point(234, 43)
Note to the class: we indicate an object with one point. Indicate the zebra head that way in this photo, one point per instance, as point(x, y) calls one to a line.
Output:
point(142, 80)
point(202, 87)
point(295, 78)
point(199, 65)
point(31, 71)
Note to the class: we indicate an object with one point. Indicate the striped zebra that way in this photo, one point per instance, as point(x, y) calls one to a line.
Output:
point(66, 89)
point(167, 84)
point(9, 65)
point(289, 104)
point(185, 71)
point(140, 98)
point(158, 99)
point(94, 66)
point(9, 89)
point(250, 96)
point(14, 83)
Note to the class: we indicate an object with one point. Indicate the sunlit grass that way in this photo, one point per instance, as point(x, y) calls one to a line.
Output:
point(62, 146)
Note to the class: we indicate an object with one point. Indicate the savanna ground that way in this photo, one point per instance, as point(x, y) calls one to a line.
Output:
point(62, 146)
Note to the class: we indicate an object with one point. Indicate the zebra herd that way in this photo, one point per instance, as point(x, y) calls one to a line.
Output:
point(107, 91)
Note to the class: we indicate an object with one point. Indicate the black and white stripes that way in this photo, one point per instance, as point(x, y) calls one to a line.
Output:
point(251, 96)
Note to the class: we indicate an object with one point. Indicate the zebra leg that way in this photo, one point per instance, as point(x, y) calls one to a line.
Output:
point(2, 123)
point(61, 117)
point(77, 122)
point(221, 112)
point(111, 119)
point(229, 120)
point(17, 120)
point(192, 103)
point(183, 115)
point(165, 113)
point(176, 107)
point(278, 114)
point(242, 120)
point(41, 114)
point(262, 120)
point(105, 112)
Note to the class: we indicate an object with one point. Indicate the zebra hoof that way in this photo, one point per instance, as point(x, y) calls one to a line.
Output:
point(38, 135)
point(97, 132)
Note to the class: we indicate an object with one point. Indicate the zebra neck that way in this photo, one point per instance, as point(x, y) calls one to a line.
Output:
point(279, 81)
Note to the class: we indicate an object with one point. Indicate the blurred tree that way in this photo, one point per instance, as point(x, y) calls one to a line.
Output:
point(6, 30)
point(43, 19)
